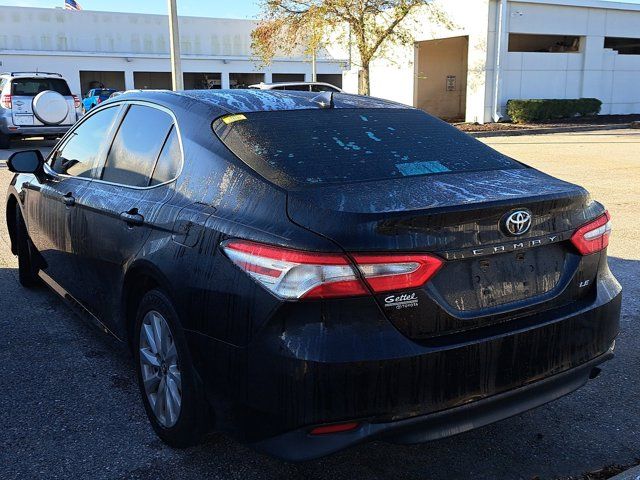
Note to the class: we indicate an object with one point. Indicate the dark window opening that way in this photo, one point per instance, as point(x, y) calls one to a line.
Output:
point(136, 146)
point(30, 87)
point(331, 78)
point(152, 80)
point(202, 81)
point(287, 77)
point(243, 80)
point(624, 46)
point(339, 146)
point(520, 42)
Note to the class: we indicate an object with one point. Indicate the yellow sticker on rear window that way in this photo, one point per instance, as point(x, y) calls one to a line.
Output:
point(233, 118)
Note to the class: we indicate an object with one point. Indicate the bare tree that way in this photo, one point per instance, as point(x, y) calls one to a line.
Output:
point(288, 26)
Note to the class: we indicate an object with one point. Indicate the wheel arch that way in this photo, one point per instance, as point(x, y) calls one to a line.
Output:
point(141, 277)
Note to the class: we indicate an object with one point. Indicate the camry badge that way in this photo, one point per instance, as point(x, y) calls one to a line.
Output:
point(517, 223)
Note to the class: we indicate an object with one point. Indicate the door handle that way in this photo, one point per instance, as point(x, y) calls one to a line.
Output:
point(69, 200)
point(132, 217)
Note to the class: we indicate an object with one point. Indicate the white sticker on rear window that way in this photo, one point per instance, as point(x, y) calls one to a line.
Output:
point(420, 168)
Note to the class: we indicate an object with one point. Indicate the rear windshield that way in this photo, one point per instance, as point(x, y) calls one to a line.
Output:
point(30, 87)
point(103, 93)
point(333, 146)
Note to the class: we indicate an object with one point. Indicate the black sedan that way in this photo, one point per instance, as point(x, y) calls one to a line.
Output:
point(310, 271)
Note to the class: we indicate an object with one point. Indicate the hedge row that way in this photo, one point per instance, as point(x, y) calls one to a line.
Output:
point(524, 111)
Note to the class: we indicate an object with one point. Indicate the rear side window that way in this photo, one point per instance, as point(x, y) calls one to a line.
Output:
point(169, 160)
point(334, 146)
point(136, 146)
point(77, 157)
point(30, 87)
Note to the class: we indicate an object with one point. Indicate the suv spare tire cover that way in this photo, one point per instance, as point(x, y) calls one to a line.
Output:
point(50, 107)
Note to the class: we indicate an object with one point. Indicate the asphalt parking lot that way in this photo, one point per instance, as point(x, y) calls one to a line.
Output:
point(70, 406)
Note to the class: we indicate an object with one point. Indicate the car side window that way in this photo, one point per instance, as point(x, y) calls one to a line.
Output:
point(79, 153)
point(169, 160)
point(136, 146)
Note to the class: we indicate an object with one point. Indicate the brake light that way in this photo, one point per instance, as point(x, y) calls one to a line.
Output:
point(294, 274)
point(5, 101)
point(76, 101)
point(99, 100)
point(594, 236)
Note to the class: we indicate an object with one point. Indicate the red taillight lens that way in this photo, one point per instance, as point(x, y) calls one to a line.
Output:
point(76, 101)
point(335, 428)
point(293, 274)
point(99, 100)
point(5, 101)
point(594, 236)
point(385, 273)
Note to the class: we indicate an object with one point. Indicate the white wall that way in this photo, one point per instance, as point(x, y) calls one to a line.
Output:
point(592, 72)
point(66, 42)
point(394, 78)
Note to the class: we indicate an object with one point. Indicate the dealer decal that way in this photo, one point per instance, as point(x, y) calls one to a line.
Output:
point(405, 300)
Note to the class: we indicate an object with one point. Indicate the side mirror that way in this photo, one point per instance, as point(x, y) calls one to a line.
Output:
point(26, 161)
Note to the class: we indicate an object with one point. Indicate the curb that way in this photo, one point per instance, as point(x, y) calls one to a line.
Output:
point(544, 131)
point(631, 474)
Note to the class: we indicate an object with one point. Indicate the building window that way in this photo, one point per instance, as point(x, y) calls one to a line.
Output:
point(202, 81)
point(287, 77)
point(243, 80)
point(331, 78)
point(521, 42)
point(624, 46)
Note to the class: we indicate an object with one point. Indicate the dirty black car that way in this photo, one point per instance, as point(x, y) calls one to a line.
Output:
point(311, 271)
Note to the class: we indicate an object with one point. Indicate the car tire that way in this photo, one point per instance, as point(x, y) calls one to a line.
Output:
point(174, 380)
point(5, 141)
point(27, 269)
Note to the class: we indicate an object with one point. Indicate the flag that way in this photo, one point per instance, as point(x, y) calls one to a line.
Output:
point(72, 5)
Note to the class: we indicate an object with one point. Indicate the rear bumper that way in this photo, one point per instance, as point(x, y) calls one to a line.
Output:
point(299, 445)
point(8, 128)
point(344, 362)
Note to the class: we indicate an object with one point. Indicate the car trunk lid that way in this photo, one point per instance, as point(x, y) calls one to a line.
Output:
point(488, 274)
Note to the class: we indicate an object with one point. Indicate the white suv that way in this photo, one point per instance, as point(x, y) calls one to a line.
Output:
point(35, 104)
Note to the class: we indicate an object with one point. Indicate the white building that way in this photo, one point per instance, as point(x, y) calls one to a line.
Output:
point(126, 51)
point(528, 48)
point(498, 50)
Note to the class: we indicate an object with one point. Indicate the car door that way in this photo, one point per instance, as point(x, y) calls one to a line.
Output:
point(123, 206)
point(52, 202)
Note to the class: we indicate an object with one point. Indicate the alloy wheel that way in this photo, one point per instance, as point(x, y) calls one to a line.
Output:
point(160, 368)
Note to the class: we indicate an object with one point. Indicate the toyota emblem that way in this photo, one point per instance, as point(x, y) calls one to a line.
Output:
point(517, 222)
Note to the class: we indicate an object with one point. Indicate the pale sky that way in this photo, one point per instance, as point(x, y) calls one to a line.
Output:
point(196, 8)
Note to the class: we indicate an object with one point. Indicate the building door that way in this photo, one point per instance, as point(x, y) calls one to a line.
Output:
point(441, 77)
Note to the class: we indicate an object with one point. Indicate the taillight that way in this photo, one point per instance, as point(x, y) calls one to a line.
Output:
point(594, 236)
point(5, 101)
point(294, 274)
point(76, 101)
point(389, 272)
point(99, 100)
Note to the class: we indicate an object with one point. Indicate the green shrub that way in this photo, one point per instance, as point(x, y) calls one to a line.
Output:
point(525, 111)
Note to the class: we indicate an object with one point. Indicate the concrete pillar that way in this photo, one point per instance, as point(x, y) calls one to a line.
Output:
point(268, 76)
point(224, 79)
point(129, 83)
point(592, 51)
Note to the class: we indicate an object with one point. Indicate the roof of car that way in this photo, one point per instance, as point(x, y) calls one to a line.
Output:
point(253, 100)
